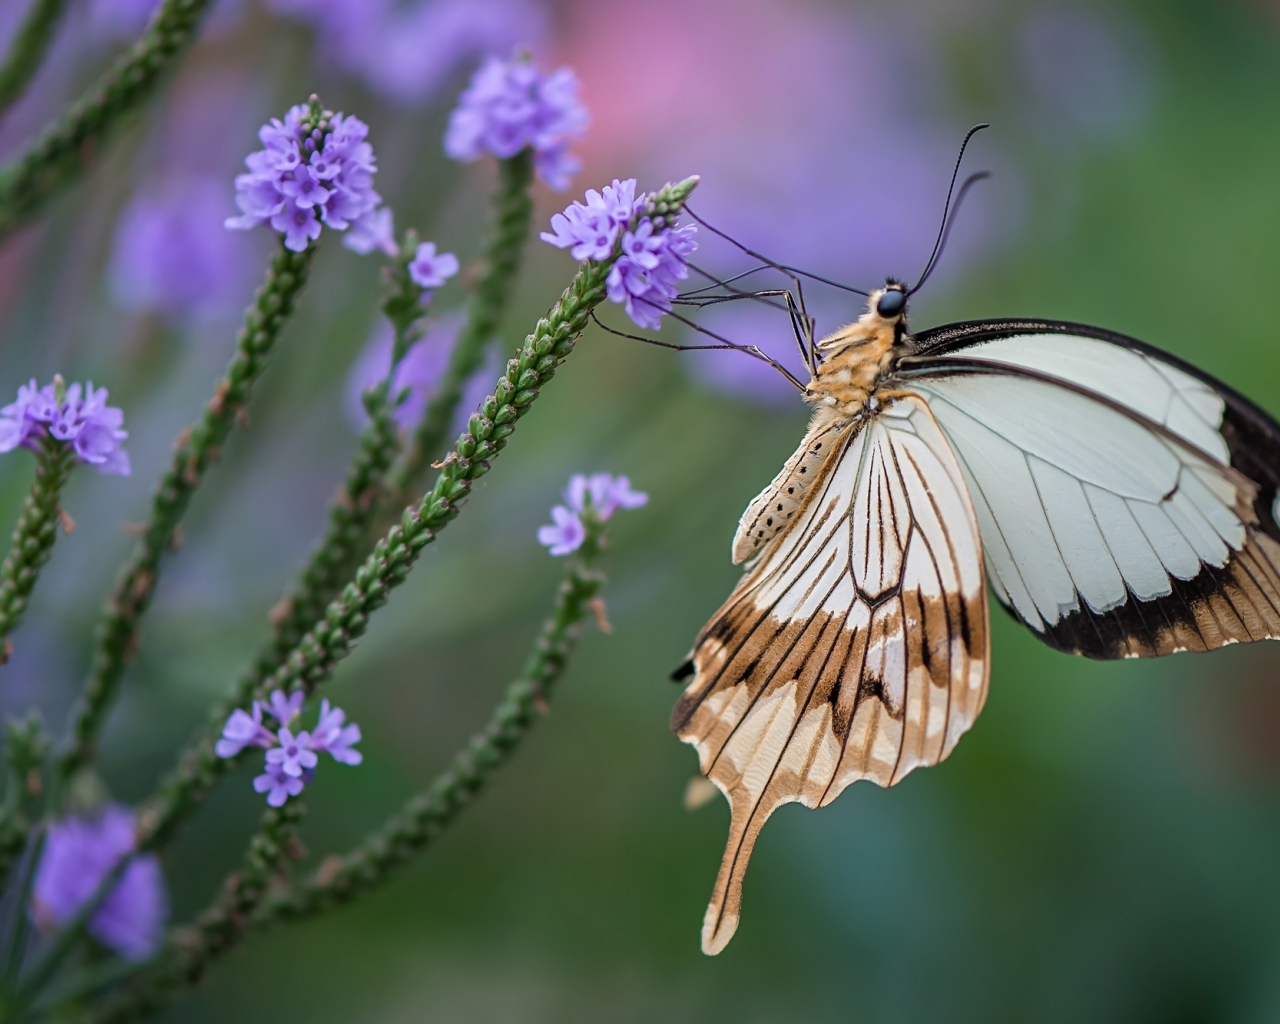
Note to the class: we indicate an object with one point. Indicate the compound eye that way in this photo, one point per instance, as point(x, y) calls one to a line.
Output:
point(891, 303)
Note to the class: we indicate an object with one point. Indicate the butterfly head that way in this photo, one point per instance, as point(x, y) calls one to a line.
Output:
point(889, 302)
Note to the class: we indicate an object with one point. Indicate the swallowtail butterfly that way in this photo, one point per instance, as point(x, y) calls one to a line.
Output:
point(1118, 501)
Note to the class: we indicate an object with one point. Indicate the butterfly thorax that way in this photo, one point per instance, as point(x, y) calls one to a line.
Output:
point(855, 362)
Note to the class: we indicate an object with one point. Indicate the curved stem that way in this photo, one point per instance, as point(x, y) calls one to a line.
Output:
point(65, 146)
point(331, 638)
point(28, 49)
point(429, 813)
point(190, 951)
point(197, 448)
point(513, 209)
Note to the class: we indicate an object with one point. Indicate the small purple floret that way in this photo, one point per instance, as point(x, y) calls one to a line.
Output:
point(429, 269)
point(645, 283)
point(78, 855)
point(333, 736)
point(373, 230)
point(565, 534)
point(285, 709)
point(603, 492)
point(510, 106)
point(277, 784)
point(294, 755)
point(304, 180)
point(243, 730)
point(82, 419)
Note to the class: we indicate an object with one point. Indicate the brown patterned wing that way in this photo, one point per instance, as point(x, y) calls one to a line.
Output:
point(854, 648)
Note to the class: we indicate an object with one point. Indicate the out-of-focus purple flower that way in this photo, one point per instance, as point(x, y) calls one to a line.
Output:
point(565, 534)
point(278, 784)
point(333, 736)
point(242, 730)
point(593, 228)
point(373, 230)
point(312, 172)
point(172, 256)
point(418, 373)
point(407, 50)
point(430, 269)
point(510, 106)
point(79, 417)
point(294, 755)
point(78, 855)
point(602, 492)
point(291, 757)
point(646, 284)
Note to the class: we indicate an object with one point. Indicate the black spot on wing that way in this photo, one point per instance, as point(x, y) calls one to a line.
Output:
point(683, 671)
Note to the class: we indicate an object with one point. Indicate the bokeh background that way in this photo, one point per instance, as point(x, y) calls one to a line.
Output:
point(1103, 846)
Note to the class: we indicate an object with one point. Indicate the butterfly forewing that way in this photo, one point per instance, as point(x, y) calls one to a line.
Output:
point(855, 647)
point(1104, 478)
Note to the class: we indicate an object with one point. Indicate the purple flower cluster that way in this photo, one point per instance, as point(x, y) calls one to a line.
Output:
point(511, 106)
point(645, 277)
point(291, 757)
point(593, 228)
point(75, 415)
point(314, 170)
point(78, 854)
point(599, 494)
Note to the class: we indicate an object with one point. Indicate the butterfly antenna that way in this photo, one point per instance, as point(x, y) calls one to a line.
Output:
point(946, 209)
point(770, 263)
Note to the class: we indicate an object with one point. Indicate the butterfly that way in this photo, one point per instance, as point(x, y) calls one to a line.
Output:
point(1118, 501)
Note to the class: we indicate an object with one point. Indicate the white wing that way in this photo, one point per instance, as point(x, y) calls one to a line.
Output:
point(854, 648)
point(1111, 522)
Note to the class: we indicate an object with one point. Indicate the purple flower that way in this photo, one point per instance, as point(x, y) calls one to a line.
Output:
point(78, 416)
point(429, 270)
point(277, 784)
point(172, 256)
point(602, 492)
point(243, 730)
point(565, 535)
point(373, 230)
point(511, 106)
point(593, 228)
point(78, 855)
point(285, 709)
point(314, 170)
point(418, 373)
point(291, 757)
point(646, 283)
point(294, 755)
point(334, 737)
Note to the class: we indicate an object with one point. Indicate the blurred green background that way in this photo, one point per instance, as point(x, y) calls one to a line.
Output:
point(1103, 846)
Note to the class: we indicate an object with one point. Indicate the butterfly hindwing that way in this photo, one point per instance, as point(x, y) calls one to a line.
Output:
point(855, 647)
point(1125, 500)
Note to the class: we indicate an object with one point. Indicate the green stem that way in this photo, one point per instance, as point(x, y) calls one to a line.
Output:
point(331, 638)
point(28, 49)
point(513, 209)
point(353, 509)
point(66, 145)
point(26, 744)
point(190, 951)
point(197, 448)
point(33, 537)
point(429, 813)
